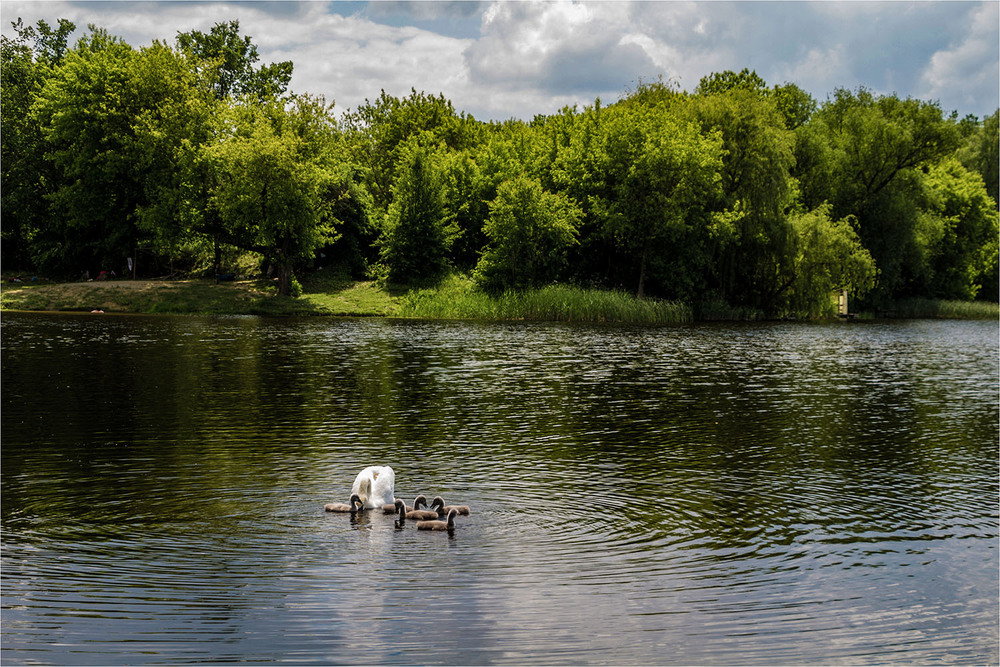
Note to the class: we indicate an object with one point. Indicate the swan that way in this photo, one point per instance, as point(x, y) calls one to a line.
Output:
point(417, 502)
point(443, 509)
point(439, 525)
point(375, 486)
point(413, 514)
point(353, 507)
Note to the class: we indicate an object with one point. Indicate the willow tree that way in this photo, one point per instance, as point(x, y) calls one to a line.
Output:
point(877, 149)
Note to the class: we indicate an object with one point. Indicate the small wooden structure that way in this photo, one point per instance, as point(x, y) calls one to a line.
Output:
point(842, 309)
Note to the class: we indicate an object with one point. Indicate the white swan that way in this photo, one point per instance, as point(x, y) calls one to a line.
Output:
point(376, 486)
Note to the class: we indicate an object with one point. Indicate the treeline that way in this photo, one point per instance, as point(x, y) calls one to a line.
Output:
point(195, 156)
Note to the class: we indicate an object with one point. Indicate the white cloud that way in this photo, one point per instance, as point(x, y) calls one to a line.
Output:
point(523, 58)
point(968, 68)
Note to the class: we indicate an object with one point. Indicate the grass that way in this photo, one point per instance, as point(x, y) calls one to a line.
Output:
point(936, 309)
point(456, 298)
point(330, 293)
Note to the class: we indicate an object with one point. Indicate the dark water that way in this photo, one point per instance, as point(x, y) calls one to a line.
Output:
point(752, 494)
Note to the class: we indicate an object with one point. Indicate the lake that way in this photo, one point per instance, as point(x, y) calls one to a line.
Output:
point(777, 493)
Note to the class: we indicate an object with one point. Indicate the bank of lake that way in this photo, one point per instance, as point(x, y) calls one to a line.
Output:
point(326, 294)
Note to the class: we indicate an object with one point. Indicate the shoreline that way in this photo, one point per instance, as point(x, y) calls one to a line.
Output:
point(347, 298)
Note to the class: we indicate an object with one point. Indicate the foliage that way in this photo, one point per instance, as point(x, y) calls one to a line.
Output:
point(528, 232)
point(89, 112)
point(829, 256)
point(418, 231)
point(225, 62)
point(271, 185)
point(959, 230)
point(740, 199)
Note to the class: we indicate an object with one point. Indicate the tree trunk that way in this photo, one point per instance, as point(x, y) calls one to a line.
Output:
point(641, 292)
point(218, 258)
point(284, 282)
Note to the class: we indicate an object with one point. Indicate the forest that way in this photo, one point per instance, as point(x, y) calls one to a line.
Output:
point(194, 158)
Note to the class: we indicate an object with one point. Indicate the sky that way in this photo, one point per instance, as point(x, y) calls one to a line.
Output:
point(500, 60)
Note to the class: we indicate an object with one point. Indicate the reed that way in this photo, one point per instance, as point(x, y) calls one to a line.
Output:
point(457, 298)
point(935, 309)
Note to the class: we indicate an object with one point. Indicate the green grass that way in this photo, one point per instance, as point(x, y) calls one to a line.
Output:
point(330, 293)
point(457, 298)
point(935, 309)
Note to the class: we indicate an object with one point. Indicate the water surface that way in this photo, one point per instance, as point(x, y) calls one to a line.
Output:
point(708, 494)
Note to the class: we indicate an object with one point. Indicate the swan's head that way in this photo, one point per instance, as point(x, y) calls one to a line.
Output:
point(400, 507)
point(419, 500)
point(437, 503)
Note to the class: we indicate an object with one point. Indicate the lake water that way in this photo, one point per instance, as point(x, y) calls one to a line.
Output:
point(705, 494)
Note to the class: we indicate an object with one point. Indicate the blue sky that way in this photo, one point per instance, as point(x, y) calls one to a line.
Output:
point(497, 60)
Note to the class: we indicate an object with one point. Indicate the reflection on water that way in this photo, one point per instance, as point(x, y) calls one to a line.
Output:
point(752, 494)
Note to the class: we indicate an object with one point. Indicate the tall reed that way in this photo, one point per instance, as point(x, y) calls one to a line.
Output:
point(458, 299)
point(936, 309)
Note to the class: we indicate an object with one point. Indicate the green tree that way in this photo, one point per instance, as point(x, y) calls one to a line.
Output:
point(272, 183)
point(662, 177)
point(877, 147)
point(27, 60)
point(796, 105)
point(728, 81)
point(418, 230)
point(757, 157)
point(91, 113)
point(981, 152)
point(959, 229)
point(466, 191)
point(381, 132)
point(828, 256)
point(227, 63)
point(529, 231)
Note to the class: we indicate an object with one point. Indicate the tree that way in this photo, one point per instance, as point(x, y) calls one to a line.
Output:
point(877, 147)
point(466, 191)
point(271, 187)
point(27, 61)
point(226, 61)
point(529, 231)
point(981, 152)
point(796, 105)
point(828, 256)
point(91, 113)
point(756, 161)
point(381, 130)
point(728, 81)
point(662, 178)
point(418, 231)
point(959, 230)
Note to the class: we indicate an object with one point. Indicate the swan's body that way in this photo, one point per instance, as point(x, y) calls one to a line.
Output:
point(439, 525)
point(375, 485)
point(417, 502)
point(413, 514)
point(443, 509)
point(353, 507)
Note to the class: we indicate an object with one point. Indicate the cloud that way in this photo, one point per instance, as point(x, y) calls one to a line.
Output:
point(575, 51)
point(503, 59)
point(968, 68)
